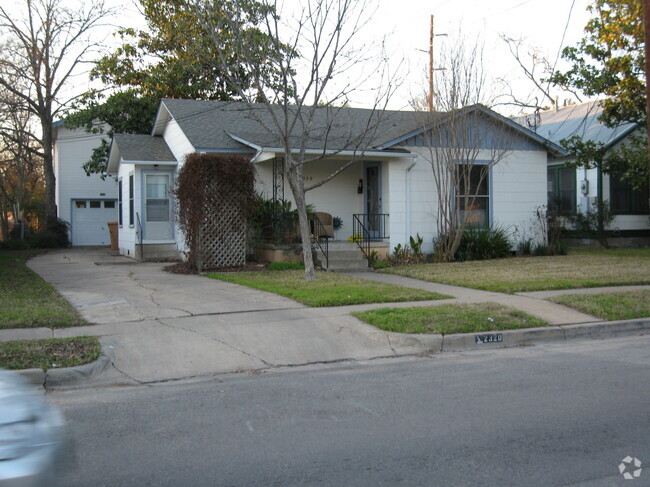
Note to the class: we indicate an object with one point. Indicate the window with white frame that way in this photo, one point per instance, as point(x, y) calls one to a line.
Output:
point(157, 197)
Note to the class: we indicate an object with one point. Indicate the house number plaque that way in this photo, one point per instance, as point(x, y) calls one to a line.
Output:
point(489, 338)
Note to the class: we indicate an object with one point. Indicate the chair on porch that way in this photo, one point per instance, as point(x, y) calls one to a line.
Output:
point(323, 225)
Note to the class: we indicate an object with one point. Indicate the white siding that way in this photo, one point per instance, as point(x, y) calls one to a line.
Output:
point(518, 189)
point(73, 148)
point(177, 141)
point(338, 196)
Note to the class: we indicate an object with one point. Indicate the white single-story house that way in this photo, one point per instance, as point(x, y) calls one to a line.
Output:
point(573, 189)
point(88, 203)
point(393, 179)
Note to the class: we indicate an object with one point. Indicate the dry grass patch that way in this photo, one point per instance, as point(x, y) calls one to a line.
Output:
point(329, 289)
point(49, 354)
point(627, 305)
point(580, 269)
point(450, 318)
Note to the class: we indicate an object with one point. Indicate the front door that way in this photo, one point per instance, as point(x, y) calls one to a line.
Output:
point(157, 207)
point(373, 219)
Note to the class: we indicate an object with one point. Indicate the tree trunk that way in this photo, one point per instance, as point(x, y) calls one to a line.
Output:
point(646, 35)
point(298, 189)
point(48, 169)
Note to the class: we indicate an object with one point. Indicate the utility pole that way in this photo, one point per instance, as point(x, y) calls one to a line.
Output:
point(432, 70)
point(430, 100)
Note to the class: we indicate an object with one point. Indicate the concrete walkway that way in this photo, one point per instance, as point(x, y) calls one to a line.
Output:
point(157, 326)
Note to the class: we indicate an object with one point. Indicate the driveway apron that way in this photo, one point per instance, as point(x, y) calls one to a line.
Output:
point(155, 325)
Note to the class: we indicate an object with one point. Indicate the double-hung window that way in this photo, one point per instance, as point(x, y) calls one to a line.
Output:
point(561, 190)
point(625, 200)
point(473, 195)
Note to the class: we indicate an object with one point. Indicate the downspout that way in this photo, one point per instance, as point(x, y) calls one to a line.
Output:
point(407, 199)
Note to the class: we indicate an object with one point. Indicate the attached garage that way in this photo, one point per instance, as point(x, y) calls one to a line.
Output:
point(89, 221)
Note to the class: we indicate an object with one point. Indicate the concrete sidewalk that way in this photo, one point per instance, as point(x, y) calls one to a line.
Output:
point(156, 326)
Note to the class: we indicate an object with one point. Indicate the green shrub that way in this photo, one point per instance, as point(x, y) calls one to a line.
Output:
point(285, 266)
point(55, 235)
point(380, 264)
point(480, 244)
point(14, 244)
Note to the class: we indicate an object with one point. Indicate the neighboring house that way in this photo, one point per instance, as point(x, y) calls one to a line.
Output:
point(571, 190)
point(392, 184)
point(86, 202)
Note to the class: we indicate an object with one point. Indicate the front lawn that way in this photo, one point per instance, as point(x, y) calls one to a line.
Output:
point(48, 354)
point(450, 318)
point(329, 289)
point(581, 268)
point(626, 305)
point(27, 301)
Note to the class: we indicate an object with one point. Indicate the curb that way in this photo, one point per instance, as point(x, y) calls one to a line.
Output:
point(66, 376)
point(406, 344)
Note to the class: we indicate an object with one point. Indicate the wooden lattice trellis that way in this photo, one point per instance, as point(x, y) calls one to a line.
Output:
point(222, 240)
point(215, 194)
point(222, 236)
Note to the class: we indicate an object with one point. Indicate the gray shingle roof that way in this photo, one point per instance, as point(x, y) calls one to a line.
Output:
point(581, 120)
point(207, 124)
point(143, 148)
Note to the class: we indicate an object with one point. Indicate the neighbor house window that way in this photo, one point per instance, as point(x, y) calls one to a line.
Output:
point(131, 200)
point(474, 195)
point(561, 190)
point(119, 202)
point(95, 204)
point(627, 201)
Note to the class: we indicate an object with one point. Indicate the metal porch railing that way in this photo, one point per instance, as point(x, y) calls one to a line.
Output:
point(368, 227)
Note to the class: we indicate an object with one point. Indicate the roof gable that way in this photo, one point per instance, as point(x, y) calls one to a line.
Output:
point(488, 123)
point(138, 149)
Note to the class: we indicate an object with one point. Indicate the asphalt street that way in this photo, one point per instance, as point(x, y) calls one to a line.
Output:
point(552, 414)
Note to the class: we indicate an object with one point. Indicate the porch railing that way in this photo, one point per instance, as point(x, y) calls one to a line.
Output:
point(318, 230)
point(367, 227)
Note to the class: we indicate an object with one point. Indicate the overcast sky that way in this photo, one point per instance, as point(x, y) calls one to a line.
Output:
point(541, 22)
point(546, 24)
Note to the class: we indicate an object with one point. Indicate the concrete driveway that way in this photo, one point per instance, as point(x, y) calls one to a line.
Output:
point(158, 326)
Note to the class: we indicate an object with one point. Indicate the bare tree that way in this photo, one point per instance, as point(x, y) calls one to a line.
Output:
point(302, 83)
point(537, 69)
point(44, 44)
point(463, 141)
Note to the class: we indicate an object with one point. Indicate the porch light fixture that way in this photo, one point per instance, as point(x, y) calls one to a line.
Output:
point(360, 187)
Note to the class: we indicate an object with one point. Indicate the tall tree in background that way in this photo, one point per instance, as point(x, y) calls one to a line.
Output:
point(45, 42)
point(173, 57)
point(610, 61)
point(296, 87)
point(21, 169)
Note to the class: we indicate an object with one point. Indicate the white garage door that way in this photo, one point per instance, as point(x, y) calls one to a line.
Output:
point(89, 218)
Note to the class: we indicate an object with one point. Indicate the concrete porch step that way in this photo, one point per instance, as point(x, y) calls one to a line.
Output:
point(343, 256)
